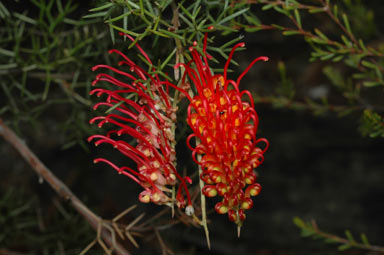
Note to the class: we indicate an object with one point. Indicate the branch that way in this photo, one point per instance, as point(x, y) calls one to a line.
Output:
point(61, 189)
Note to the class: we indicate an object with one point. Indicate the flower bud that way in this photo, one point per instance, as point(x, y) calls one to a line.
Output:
point(209, 191)
point(220, 208)
point(247, 203)
point(241, 214)
point(232, 215)
point(145, 196)
point(253, 190)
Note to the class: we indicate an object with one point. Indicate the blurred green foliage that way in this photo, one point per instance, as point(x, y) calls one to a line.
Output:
point(26, 227)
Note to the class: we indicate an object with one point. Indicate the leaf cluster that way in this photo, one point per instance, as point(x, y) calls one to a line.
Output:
point(351, 66)
point(310, 229)
point(46, 55)
point(26, 226)
point(184, 22)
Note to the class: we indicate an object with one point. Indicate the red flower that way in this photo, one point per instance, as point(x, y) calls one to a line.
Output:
point(225, 126)
point(142, 111)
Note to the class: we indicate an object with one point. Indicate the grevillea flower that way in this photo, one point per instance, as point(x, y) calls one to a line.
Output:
point(224, 125)
point(144, 112)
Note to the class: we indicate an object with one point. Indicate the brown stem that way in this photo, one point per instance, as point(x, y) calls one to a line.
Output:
point(61, 189)
point(339, 239)
point(337, 21)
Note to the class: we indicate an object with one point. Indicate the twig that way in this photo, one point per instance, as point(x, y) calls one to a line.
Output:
point(203, 207)
point(344, 240)
point(61, 189)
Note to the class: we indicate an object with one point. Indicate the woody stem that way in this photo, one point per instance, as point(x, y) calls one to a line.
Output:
point(61, 189)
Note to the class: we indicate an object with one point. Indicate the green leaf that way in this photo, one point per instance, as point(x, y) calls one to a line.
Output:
point(125, 31)
point(368, 64)
point(232, 16)
point(327, 56)
point(305, 232)
point(252, 29)
point(316, 10)
point(25, 18)
point(349, 236)
point(299, 222)
point(124, 15)
point(364, 239)
point(360, 75)
point(336, 11)
point(95, 15)
point(291, 32)
point(8, 66)
point(112, 34)
point(252, 19)
point(170, 34)
point(3, 11)
point(371, 83)
point(346, 23)
point(297, 16)
point(267, 7)
point(344, 247)
point(7, 53)
point(362, 45)
point(319, 33)
point(337, 58)
point(318, 40)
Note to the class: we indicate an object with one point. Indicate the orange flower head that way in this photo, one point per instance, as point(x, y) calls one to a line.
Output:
point(225, 126)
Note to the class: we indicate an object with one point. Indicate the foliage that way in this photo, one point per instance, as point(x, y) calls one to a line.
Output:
point(46, 57)
point(340, 45)
point(310, 229)
point(372, 124)
point(26, 227)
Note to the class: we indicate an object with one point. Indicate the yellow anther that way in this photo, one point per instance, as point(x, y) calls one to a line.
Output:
point(207, 92)
point(218, 81)
point(212, 193)
point(222, 209)
point(197, 102)
point(254, 192)
point(145, 199)
point(212, 124)
point(248, 181)
point(245, 205)
point(156, 164)
point(193, 119)
point(212, 107)
point(154, 176)
point(147, 152)
point(201, 111)
point(156, 197)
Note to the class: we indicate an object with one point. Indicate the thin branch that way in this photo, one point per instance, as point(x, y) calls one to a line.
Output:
point(344, 240)
point(61, 189)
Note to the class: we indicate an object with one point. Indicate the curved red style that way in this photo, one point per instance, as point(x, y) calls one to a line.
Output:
point(142, 111)
point(224, 123)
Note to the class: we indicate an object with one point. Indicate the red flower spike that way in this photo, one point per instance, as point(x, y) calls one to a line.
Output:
point(225, 124)
point(149, 121)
